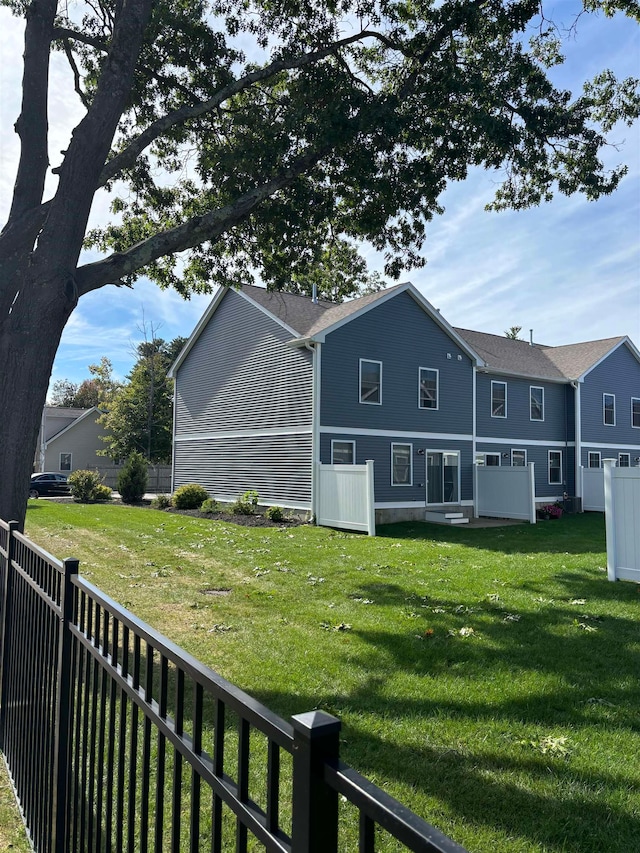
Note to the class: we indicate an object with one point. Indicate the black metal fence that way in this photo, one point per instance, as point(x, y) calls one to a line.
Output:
point(118, 740)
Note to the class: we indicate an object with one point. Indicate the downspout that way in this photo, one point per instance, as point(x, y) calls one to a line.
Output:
point(316, 350)
point(474, 442)
point(578, 438)
point(174, 442)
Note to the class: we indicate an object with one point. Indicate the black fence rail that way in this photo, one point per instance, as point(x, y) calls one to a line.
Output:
point(116, 739)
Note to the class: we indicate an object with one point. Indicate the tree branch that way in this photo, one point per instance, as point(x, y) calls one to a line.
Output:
point(128, 156)
point(32, 125)
point(93, 137)
point(207, 227)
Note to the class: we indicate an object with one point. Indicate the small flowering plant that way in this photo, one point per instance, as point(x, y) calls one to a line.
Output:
point(550, 511)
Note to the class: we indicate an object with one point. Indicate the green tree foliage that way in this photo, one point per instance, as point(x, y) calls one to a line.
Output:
point(513, 333)
point(132, 479)
point(263, 137)
point(140, 415)
point(98, 391)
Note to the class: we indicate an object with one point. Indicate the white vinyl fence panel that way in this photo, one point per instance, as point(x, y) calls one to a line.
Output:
point(622, 521)
point(505, 491)
point(345, 497)
point(592, 489)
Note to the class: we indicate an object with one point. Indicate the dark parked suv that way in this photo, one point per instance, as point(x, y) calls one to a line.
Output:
point(48, 485)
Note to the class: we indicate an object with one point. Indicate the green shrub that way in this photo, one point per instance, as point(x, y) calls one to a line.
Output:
point(132, 479)
point(189, 496)
point(87, 486)
point(275, 513)
point(102, 493)
point(210, 505)
point(161, 502)
point(245, 505)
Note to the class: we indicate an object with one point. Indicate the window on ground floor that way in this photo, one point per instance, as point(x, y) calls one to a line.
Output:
point(343, 452)
point(594, 459)
point(624, 460)
point(65, 462)
point(555, 467)
point(492, 459)
point(401, 464)
point(519, 457)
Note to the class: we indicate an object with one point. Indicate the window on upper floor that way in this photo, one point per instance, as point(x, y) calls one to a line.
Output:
point(519, 457)
point(624, 460)
point(555, 467)
point(498, 399)
point(428, 388)
point(635, 412)
point(65, 462)
point(594, 459)
point(370, 382)
point(401, 464)
point(536, 403)
point(343, 452)
point(609, 409)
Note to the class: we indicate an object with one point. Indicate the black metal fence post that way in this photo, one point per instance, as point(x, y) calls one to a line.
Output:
point(5, 638)
point(62, 734)
point(315, 805)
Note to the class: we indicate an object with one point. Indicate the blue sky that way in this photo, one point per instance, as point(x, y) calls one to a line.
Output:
point(569, 270)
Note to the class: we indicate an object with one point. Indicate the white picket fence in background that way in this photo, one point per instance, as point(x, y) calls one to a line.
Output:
point(592, 489)
point(345, 497)
point(622, 521)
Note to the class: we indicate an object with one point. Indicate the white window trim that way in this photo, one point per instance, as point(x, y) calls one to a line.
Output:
point(519, 450)
point(499, 455)
point(531, 418)
point(498, 382)
point(634, 400)
point(628, 455)
point(437, 373)
point(70, 455)
point(554, 482)
point(369, 402)
point(591, 453)
point(343, 441)
point(410, 446)
point(607, 394)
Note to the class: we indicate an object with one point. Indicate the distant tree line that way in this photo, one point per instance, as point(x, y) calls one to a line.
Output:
point(137, 414)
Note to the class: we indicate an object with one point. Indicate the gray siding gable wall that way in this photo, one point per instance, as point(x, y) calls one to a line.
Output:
point(241, 375)
point(618, 374)
point(558, 424)
point(401, 335)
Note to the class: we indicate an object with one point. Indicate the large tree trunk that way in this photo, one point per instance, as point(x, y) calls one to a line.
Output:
point(29, 336)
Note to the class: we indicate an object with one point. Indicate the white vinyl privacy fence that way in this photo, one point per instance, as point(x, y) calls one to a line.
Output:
point(345, 497)
point(505, 491)
point(592, 489)
point(622, 521)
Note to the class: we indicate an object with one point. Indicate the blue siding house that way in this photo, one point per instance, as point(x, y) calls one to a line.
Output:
point(270, 383)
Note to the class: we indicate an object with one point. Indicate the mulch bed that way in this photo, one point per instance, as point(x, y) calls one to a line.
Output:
point(255, 520)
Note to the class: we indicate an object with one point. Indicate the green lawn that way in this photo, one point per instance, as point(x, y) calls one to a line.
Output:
point(489, 679)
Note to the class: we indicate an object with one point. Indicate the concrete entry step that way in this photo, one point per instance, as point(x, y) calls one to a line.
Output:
point(446, 517)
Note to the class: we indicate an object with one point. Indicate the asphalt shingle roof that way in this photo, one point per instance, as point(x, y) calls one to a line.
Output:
point(500, 353)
